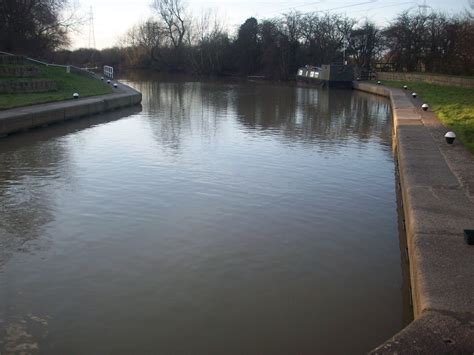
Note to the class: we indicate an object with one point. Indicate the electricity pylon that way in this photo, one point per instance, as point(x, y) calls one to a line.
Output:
point(91, 29)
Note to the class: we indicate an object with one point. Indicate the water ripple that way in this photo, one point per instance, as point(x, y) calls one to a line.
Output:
point(243, 218)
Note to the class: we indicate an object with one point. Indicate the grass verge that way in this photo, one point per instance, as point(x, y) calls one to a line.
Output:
point(454, 106)
point(67, 85)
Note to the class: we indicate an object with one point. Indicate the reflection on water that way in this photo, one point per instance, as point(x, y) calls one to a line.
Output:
point(26, 160)
point(223, 218)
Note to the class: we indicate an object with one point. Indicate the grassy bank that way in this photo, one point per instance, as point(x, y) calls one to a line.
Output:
point(454, 106)
point(67, 84)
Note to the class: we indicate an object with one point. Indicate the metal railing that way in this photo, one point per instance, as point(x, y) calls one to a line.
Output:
point(69, 68)
point(108, 71)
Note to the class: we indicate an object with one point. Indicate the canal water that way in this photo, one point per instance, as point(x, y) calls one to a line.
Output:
point(220, 218)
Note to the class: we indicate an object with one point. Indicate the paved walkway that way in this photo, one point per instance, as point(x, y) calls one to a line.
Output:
point(437, 182)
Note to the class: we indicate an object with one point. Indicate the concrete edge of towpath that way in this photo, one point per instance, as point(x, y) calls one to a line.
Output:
point(437, 184)
point(27, 117)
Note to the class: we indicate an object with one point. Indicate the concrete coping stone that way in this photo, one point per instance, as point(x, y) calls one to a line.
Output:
point(23, 118)
point(437, 183)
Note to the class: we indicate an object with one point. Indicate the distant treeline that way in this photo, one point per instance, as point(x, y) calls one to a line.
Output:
point(175, 41)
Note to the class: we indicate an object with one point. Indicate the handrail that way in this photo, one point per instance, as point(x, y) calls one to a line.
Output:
point(67, 67)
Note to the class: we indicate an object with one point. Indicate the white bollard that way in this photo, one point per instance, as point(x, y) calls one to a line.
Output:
point(450, 137)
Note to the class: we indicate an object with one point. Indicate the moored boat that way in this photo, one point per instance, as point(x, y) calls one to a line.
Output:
point(331, 75)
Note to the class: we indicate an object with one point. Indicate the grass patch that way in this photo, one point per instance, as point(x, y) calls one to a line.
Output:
point(67, 84)
point(454, 106)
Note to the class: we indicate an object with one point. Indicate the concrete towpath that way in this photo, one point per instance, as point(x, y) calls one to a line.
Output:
point(23, 118)
point(437, 183)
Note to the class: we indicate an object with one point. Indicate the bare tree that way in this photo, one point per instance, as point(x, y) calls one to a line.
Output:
point(434, 42)
point(324, 36)
point(172, 13)
point(174, 41)
point(291, 28)
point(365, 45)
point(210, 44)
point(144, 42)
point(174, 25)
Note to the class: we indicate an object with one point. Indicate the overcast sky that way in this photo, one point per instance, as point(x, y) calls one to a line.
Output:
point(113, 17)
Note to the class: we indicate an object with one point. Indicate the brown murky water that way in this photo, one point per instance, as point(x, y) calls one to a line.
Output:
point(220, 219)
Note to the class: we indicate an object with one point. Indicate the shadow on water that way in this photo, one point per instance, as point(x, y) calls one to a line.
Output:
point(407, 315)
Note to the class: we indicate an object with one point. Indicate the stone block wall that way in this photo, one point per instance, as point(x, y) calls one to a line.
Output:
point(22, 71)
point(19, 77)
point(12, 59)
point(15, 87)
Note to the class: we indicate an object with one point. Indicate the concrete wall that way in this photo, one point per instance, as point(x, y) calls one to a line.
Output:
point(446, 80)
point(437, 184)
point(24, 118)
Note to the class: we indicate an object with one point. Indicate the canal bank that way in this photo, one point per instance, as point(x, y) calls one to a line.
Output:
point(24, 118)
point(437, 183)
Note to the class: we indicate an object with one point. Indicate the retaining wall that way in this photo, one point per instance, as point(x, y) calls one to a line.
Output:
point(437, 184)
point(15, 87)
point(24, 118)
point(22, 71)
point(446, 80)
point(12, 59)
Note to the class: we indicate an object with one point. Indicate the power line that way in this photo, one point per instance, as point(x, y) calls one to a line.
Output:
point(367, 11)
point(347, 6)
point(326, 10)
point(297, 6)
